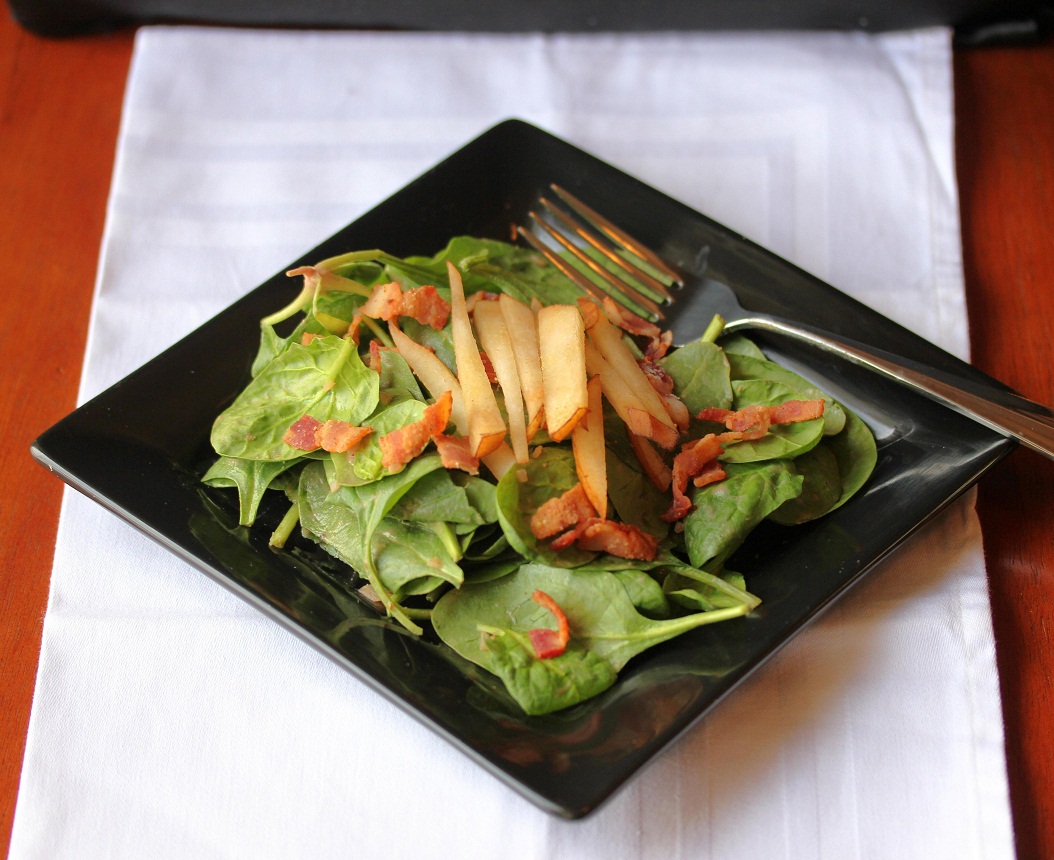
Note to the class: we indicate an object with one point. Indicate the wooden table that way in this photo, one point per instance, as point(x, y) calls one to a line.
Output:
point(60, 105)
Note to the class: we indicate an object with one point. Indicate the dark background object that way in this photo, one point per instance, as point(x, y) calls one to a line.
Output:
point(974, 21)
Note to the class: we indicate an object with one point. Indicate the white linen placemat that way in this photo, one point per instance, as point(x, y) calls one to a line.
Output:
point(170, 720)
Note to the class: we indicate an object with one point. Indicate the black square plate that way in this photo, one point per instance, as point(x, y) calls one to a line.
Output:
point(141, 454)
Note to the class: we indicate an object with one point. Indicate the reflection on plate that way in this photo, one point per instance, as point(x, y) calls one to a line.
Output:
point(141, 456)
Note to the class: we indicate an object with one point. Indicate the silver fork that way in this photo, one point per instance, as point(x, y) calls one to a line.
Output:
point(641, 281)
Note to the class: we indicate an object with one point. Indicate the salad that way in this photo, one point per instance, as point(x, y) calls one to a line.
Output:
point(537, 475)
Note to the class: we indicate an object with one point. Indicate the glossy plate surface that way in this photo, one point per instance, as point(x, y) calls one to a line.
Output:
point(141, 455)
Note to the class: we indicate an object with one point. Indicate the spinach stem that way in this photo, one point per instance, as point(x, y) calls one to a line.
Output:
point(378, 331)
point(713, 331)
point(306, 296)
point(449, 539)
point(347, 345)
point(285, 527)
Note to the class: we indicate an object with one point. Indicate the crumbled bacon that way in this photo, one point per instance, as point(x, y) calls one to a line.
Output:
point(662, 382)
point(480, 296)
point(657, 375)
point(375, 356)
point(488, 366)
point(340, 436)
point(627, 320)
point(677, 411)
point(657, 347)
point(400, 446)
point(710, 473)
point(455, 453)
point(619, 539)
point(353, 329)
point(753, 421)
point(693, 459)
point(385, 302)
point(302, 434)
point(307, 337)
point(388, 302)
point(546, 642)
point(561, 513)
point(797, 410)
point(425, 305)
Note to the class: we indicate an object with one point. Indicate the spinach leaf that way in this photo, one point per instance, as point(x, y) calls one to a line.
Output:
point(325, 379)
point(821, 488)
point(397, 381)
point(857, 455)
point(700, 590)
point(486, 623)
point(644, 591)
point(440, 341)
point(543, 686)
point(250, 477)
point(344, 521)
point(737, 344)
point(700, 374)
point(727, 511)
point(436, 497)
point(412, 558)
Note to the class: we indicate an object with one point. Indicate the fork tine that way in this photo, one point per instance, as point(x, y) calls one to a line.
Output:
point(615, 234)
point(621, 287)
point(560, 263)
point(656, 288)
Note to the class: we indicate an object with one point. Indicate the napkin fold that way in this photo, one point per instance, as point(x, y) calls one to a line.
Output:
point(170, 720)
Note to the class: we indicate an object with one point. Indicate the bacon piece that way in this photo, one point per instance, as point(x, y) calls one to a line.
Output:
point(340, 436)
point(627, 320)
point(375, 356)
point(302, 434)
point(488, 367)
point(749, 417)
point(692, 460)
point(455, 453)
point(662, 382)
point(715, 414)
point(307, 337)
point(353, 328)
point(657, 375)
point(480, 296)
point(546, 642)
point(796, 410)
point(400, 446)
point(425, 305)
point(657, 347)
point(561, 513)
point(752, 421)
point(677, 411)
point(620, 539)
point(388, 302)
point(385, 302)
point(711, 473)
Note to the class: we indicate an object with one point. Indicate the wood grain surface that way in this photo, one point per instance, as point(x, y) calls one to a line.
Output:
point(60, 104)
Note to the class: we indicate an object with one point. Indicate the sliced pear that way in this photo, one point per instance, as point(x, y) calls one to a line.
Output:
point(434, 375)
point(486, 428)
point(494, 338)
point(608, 341)
point(587, 443)
point(523, 331)
point(561, 346)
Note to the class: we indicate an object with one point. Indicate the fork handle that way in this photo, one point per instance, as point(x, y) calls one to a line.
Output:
point(1030, 423)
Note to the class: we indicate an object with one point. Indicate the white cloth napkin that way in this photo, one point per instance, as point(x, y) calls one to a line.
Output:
point(172, 721)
